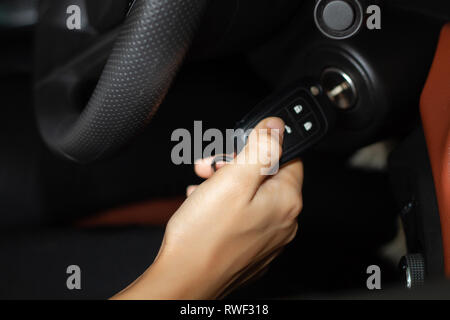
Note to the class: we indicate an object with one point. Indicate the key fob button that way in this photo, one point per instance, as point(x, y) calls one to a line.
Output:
point(307, 118)
point(309, 126)
point(292, 135)
point(299, 109)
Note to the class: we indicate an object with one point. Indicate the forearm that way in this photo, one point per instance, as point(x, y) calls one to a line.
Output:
point(172, 279)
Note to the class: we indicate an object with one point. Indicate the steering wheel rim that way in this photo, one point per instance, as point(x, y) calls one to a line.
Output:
point(146, 56)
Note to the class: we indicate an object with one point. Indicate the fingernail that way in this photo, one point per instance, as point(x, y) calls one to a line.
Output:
point(276, 124)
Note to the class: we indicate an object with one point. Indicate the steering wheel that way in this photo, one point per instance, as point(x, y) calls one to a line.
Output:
point(148, 51)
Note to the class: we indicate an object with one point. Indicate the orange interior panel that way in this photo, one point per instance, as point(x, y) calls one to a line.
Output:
point(435, 112)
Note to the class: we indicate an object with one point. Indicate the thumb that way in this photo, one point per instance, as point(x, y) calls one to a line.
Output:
point(262, 152)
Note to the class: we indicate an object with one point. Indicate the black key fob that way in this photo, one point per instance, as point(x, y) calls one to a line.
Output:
point(306, 111)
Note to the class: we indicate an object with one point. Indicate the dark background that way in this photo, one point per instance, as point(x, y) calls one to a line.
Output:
point(348, 214)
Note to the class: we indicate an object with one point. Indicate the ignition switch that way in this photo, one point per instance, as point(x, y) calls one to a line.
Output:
point(339, 88)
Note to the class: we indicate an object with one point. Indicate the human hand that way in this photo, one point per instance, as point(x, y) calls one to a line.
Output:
point(230, 227)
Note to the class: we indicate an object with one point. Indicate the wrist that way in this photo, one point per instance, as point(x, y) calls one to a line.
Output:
point(175, 277)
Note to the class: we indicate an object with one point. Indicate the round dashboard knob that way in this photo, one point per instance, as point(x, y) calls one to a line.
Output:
point(338, 15)
point(338, 19)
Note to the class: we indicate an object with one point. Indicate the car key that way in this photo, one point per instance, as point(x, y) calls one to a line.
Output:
point(306, 111)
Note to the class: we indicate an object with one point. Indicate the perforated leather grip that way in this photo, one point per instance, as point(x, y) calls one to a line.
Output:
point(146, 56)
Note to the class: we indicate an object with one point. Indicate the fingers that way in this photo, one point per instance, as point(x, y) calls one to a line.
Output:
point(203, 167)
point(282, 192)
point(252, 165)
point(190, 190)
point(204, 170)
point(291, 178)
point(291, 174)
point(262, 149)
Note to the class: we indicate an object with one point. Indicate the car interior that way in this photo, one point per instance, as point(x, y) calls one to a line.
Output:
point(88, 112)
